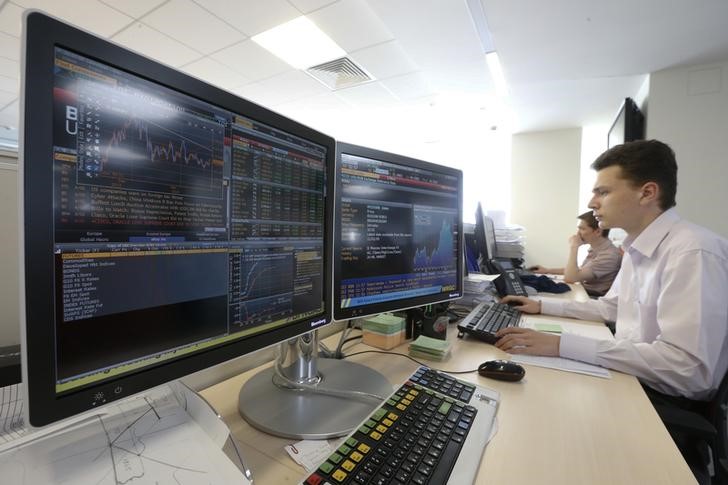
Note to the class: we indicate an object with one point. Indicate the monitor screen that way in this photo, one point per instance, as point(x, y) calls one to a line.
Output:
point(169, 225)
point(398, 232)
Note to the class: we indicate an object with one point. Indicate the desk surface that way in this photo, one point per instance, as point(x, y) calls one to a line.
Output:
point(554, 427)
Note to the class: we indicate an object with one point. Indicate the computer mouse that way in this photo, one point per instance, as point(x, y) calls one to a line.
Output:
point(502, 370)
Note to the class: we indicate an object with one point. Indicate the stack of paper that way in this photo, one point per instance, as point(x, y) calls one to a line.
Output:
point(429, 348)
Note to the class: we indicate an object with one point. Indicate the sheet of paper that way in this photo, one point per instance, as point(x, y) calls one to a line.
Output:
point(11, 413)
point(559, 363)
point(481, 277)
point(309, 453)
point(148, 440)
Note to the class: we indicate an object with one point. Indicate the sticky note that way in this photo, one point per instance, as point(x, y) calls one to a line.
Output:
point(547, 327)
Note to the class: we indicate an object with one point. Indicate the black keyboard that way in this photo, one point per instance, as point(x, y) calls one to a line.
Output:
point(487, 318)
point(417, 436)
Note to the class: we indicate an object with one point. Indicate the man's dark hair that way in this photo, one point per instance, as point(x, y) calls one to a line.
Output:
point(592, 222)
point(644, 161)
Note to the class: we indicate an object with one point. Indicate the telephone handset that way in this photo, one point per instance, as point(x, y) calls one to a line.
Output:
point(509, 282)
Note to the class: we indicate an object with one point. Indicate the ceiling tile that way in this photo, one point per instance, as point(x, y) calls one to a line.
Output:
point(409, 86)
point(9, 85)
point(281, 89)
point(91, 15)
point(156, 45)
point(9, 46)
point(9, 68)
point(11, 19)
point(193, 26)
point(133, 8)
point(384, 60)
point(250, 59)
point(306, 6)
point(215, 73)
point(251, 16)
point(351, 24)
point(367, 96)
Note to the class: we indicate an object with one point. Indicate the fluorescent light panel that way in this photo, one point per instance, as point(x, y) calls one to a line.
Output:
point(299, 43)
point(497, 73)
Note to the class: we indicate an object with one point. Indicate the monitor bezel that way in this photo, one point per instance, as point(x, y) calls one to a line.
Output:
point(393, 305)
point(42, 34)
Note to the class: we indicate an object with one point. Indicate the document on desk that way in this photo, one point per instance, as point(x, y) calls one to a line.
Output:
point(560, 363)
point(148, 440)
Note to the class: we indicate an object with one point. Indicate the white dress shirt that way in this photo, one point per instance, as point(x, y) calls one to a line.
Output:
point(670, 304)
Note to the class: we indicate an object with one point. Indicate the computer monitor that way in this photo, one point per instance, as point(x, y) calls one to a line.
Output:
point(168, 225)
point(484, 236)
point(398, 232)
point(629, 124)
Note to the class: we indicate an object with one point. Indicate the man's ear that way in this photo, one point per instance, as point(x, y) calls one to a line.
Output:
point(650, 192)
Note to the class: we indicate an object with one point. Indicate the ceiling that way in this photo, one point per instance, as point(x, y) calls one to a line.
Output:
point(567, 63)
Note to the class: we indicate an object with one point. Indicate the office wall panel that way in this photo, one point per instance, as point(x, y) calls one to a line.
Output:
point(545, 192)
point(688, 109)
point(9, 324)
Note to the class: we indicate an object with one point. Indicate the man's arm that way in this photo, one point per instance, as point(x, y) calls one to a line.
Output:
point(572, 272)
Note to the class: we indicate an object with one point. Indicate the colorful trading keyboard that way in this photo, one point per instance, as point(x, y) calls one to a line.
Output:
point(431, 430)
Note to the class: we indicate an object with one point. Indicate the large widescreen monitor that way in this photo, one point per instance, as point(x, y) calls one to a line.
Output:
point(168, 225)
point(398, 233)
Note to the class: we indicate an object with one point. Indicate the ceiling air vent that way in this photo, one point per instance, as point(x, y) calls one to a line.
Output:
point(339, 73)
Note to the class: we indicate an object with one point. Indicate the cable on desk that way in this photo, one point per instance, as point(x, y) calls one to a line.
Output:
point(412, 359)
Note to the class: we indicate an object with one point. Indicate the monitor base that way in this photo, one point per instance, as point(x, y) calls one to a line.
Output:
point(304, 414)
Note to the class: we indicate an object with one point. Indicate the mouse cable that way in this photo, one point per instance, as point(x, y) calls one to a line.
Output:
point(412, 359)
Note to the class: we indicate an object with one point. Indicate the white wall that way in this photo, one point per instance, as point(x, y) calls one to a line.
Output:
point(688, 109)
point(545, 192)
point(9, 316)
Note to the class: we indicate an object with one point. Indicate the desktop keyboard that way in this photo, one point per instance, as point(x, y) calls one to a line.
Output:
point(486, 319)
point(420, 435)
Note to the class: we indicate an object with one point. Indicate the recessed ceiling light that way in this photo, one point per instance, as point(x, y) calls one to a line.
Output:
point(299, 43)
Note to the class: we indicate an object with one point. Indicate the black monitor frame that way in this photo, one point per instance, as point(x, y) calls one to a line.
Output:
point(42, 35)
point(401, 304)
point(628, 125)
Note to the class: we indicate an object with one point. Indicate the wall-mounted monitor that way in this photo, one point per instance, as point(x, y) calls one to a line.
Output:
point(629, 125)
point(398, 232)
point(168, 225)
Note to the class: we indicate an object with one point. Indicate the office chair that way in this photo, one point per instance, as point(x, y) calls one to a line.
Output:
point(710, 427)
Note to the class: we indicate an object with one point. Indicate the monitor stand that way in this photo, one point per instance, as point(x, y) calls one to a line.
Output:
point(304, 397)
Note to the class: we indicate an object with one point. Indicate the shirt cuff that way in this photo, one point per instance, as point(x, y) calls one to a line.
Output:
point(552, 306)
point(578, 347)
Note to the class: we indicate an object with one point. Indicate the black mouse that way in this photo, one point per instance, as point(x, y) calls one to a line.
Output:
point(503, 370)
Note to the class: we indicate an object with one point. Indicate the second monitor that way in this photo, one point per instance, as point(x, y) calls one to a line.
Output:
point(398, 232)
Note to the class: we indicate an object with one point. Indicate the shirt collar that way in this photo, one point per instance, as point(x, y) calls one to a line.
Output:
point(647, 241)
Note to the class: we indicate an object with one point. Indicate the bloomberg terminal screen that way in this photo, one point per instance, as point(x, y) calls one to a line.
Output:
point(178, 225)
point(398, 232)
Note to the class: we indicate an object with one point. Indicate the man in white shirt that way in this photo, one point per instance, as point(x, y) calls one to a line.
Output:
point(599, 268)
point(670, 298)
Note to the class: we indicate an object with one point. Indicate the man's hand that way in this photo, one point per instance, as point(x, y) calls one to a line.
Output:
point(517, 340)
point(538, 269)
point(526, 305)
point(575, 241)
